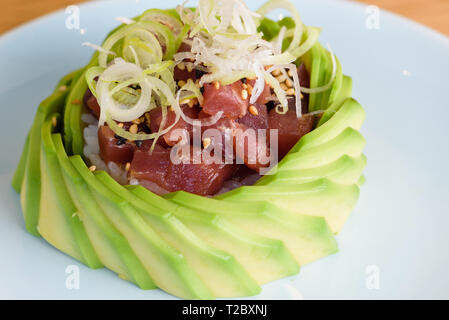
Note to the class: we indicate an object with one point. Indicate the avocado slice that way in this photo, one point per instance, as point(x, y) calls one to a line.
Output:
point(308, 238)
point(350, 115)
point(269, 28)
point(265, 259)
point(220, 270)
point(58, 220)
point(349, 142)
point(344, 93)
point(318, 198)
point(361, 181)
point(31, 184)
point(345, 170)
point(111, 246)
point(165, 265)
point(73, 109)
point(318, 62)
point(21, 167)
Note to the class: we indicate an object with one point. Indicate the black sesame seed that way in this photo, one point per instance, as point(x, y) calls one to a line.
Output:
point(199, 73)
point(139, 143)
point(116, 136)
point(244, 80)
point(202, 90)
point(145, 128)
point(121, 141)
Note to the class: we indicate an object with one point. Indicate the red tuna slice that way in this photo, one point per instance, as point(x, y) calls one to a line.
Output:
point(229, 99)
point(151, 167)
point(91, 103)
point(202, 179)
point(113, 149)
point(184, 74)
point(171, 138)
point(264, 98)
point(304, 78)
point(290, 128)
point(217, 133)
point(259, 147)
point(251, 147)
point(245, 136)
point(256, 121)
point(157, 172)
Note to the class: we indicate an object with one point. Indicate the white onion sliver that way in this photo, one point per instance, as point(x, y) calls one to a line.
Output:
point(98, 48)
point(121, 71)
point(124, 20)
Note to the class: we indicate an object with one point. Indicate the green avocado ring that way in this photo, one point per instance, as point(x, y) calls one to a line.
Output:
point(190, 246)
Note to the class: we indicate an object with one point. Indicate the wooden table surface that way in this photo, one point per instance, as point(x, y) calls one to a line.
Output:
point(433, 13)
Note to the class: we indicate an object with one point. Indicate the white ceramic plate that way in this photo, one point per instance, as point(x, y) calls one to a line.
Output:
point(395, 245)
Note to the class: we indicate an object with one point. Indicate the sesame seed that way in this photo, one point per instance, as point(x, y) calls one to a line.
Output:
point(181, 83)
point(192, 103)
point(133, 129)
point(217, 85)
point(120, 125)
point(186, 101)
point(92, 168)
point(289, 83)
point(181, 66)
point(244, 94)
point(276, 72)
point(189, 68)
point(253, 110)
point(54, 121)
point(137, 121)
point(206, 142)
point(281, 78)
point(302, 96)
point(284, 87)
point(147, 116)
point(76, 101)
point(291, 92)
point(245, 86)
point(290, 73)
point(127, 166)
point(250, 89)
point(63, 88)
